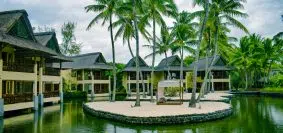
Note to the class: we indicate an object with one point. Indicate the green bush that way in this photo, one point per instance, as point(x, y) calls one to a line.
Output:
point(75, 94)
point(277, 80)
point(172, 91)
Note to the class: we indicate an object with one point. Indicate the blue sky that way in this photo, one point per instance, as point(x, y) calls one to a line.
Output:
point(264, 19)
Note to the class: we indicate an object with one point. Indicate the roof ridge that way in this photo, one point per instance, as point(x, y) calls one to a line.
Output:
point(86, 54)
point(44, 33)
point(14, 11)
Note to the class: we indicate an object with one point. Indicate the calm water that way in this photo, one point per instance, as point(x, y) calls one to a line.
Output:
point(251, 115)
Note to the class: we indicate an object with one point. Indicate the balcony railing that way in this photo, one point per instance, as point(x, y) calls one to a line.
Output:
point(18, 67)
point(51, 71)
point(17, 98)
point(51, 94)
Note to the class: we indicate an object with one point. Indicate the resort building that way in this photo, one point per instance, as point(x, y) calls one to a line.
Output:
point(129, 76)
point(220, 77)
point(90, 73)
point(170, 65)
point(24, 75)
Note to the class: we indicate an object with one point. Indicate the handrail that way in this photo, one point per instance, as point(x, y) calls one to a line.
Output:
point(18, 67)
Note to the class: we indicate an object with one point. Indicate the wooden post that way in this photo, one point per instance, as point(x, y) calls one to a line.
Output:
point(35, 98)
point(92, 83)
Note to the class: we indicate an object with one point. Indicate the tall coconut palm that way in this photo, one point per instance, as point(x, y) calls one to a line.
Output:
point(205, 4)
point(224, 12)
point(183, 31)
point(163, 45)
point(242, 58)
point(126, 30)
point(154, 9)
point(106, 11)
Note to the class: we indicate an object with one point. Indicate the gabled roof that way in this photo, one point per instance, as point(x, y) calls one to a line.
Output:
point(220, 64)
point(44, 37)
point(48, 39)
point(174, 63)
point(131, 65)
point(87, 61)
point(28, 46)
point(10, 18)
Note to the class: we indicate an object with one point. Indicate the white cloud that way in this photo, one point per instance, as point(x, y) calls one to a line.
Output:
point(264, 18)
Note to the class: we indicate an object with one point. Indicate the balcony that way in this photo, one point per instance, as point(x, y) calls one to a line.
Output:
point(51, 71)
point(17, 98)
point(51, 94)
point(18, 67)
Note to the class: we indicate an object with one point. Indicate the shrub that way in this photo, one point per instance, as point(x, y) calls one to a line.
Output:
point(172, 91)
point(75, 94)
point(277, 80)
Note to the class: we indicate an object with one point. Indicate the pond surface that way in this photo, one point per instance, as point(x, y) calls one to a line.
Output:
point(252, 114)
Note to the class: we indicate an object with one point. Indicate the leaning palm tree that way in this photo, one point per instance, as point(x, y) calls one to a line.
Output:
point(106, 10)
point(205, 4)
point(163, 45)
point(154, 9)
point(223, 12)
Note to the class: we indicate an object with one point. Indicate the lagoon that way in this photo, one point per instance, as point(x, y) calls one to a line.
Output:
point(252, 114)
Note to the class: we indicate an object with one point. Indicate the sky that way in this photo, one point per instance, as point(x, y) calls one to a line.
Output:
point(264, 19)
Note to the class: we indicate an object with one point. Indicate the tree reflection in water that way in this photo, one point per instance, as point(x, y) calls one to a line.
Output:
point(251, 114)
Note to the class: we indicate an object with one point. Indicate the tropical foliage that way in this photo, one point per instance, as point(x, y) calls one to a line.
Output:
point(69, 45)
point(192, 35)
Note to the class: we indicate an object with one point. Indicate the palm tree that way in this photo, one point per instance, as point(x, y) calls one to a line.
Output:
point(106, 10)
point(126, 30)
point(154, 9)
point(223, 13)
point(205, 4)
point(163, 45)
point(183, 31)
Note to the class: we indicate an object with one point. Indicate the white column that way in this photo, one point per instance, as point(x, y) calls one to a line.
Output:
point(148, 85)
point(92, 83)
point(83, 78)
point(129, 85)
point(41, 102)
point(35, 98)
point(230, 89)
point(1, 99)
point(212, 82)
point(61, 85)
point(109, 87)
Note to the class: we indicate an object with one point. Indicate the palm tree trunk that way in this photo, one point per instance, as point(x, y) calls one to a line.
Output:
point(130, 48)
point(246, 76)
point(168, 69)
point(137, 104)
point(212, 63)
point(141, 74)
point(153, 61)
point(193, 97)
point(181, 70)
point(114, 63)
